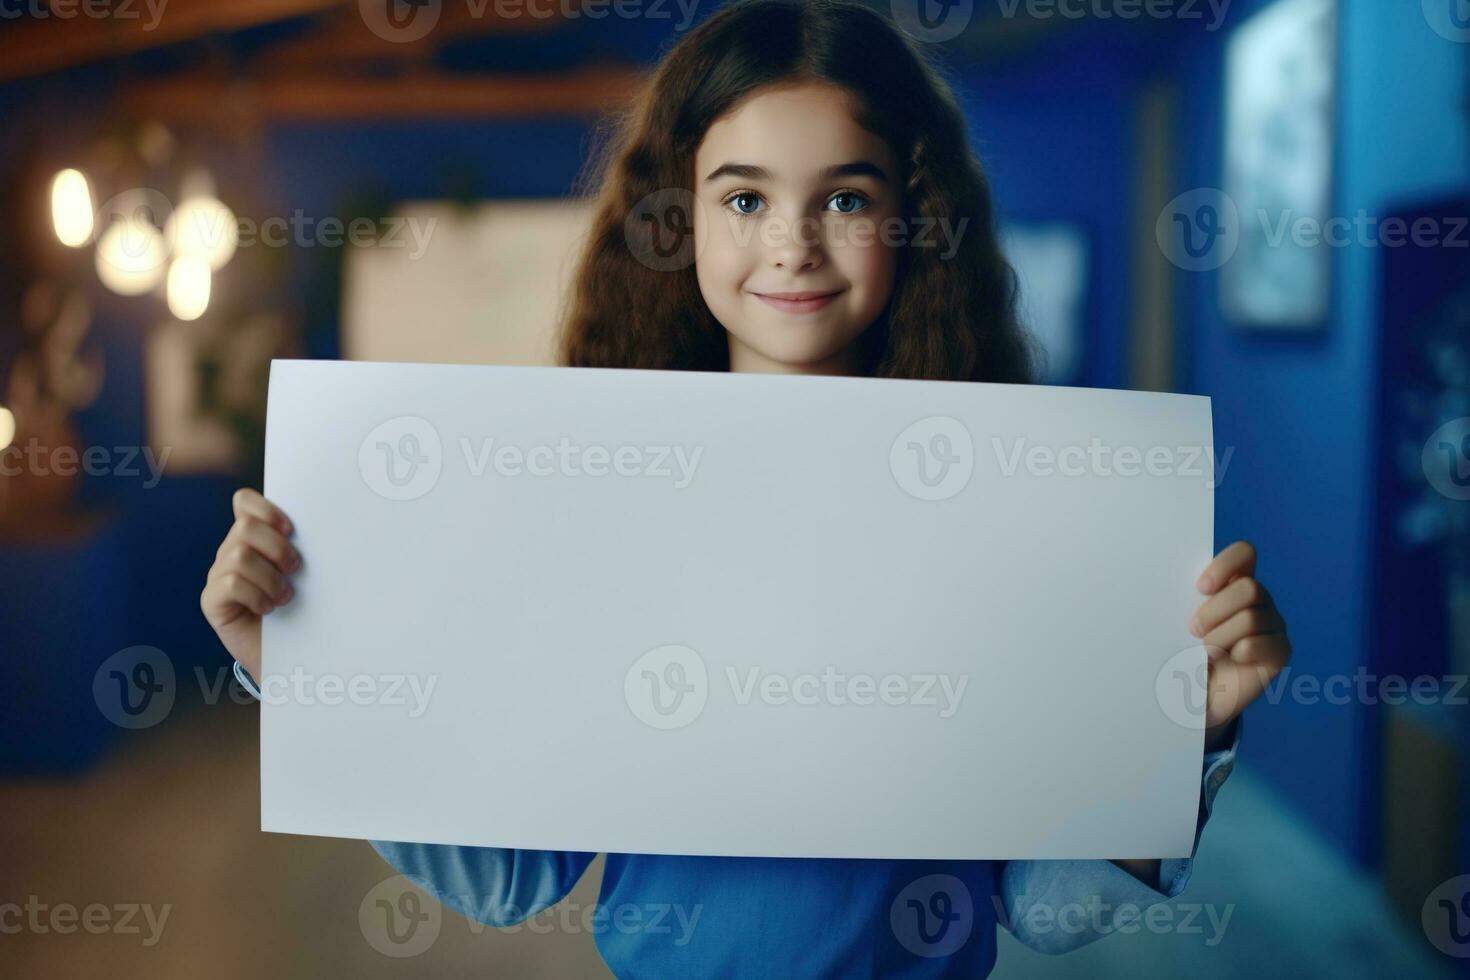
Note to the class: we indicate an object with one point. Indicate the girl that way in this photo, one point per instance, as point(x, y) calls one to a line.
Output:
point(795, 193)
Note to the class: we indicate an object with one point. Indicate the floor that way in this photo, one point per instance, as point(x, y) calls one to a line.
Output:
point(153, 865)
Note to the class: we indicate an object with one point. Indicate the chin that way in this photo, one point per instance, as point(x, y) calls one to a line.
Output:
point(798, 351)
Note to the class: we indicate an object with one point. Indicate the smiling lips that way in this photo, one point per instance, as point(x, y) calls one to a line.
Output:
point(803, 302)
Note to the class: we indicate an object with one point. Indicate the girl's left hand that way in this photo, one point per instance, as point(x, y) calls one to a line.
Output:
point(1243, 633)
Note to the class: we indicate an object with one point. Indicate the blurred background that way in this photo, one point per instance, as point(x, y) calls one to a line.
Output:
point(1263, 202)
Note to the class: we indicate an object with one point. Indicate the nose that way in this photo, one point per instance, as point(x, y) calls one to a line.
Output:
point(800, 249)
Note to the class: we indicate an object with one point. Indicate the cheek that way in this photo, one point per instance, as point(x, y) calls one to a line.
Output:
point(869, 265)
point(719, 267)
point(720, 261)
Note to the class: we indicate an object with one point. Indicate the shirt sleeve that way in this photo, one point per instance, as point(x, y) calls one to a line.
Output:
point(246, 681)
point(1059, 906)
point(495, 885)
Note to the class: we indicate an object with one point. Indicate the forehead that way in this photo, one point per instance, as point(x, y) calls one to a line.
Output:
point(795, 131)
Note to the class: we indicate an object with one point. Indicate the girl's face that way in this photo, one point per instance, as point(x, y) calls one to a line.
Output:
point(798, 206)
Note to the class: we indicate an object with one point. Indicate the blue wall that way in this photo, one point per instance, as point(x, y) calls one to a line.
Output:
point(1055, 131)
point(1300, 409)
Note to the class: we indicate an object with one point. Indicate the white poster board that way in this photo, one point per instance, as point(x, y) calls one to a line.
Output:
point(719, 614)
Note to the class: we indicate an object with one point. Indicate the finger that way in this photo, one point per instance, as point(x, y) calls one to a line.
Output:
point(1243, 593)
point(1232, 687)
point(1251, 621)
point(245, 560)
point(1236, 560)
point(1270, 650)
point(233, 589)
point(249, 563)
point(248, 502)
point(263, 538)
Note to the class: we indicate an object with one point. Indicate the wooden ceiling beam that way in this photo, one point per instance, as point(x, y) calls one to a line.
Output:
point(192, 100)
point(71, 34)
point(346, 40)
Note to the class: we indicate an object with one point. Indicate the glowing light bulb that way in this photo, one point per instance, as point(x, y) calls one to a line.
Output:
point(71, 208)
point(205, 227)
point(131, 256)
point(188, 287)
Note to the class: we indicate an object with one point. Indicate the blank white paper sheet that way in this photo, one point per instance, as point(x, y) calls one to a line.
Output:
point(719, 614)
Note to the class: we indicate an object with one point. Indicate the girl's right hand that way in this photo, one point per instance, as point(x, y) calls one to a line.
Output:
point(248, 579)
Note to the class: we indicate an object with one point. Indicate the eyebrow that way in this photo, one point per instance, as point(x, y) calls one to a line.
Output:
point(748, 171)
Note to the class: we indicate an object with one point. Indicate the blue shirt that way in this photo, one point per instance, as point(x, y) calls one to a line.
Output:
point(667, 916)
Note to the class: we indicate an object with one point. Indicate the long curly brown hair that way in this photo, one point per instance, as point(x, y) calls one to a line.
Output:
point(949, 318)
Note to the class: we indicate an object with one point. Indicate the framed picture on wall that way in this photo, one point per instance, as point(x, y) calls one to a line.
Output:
point(1279, 84)
point(488, 287)
point(1051, 263)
